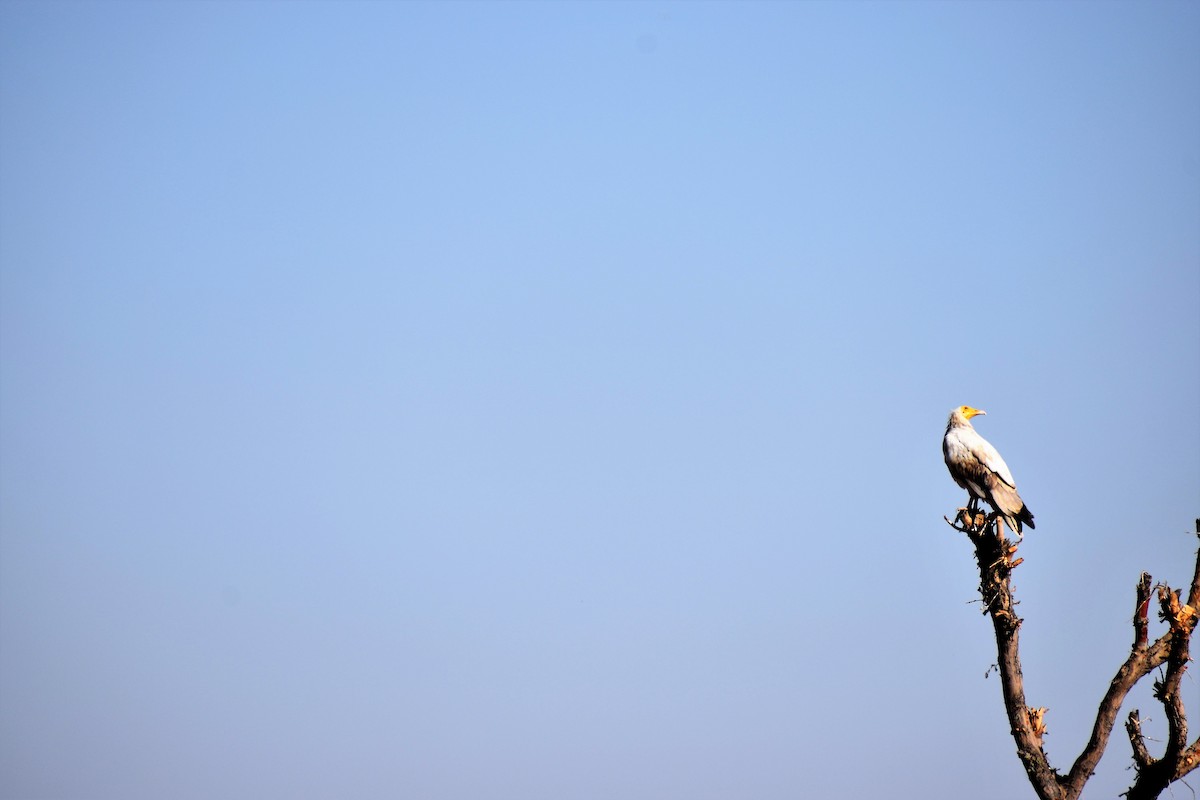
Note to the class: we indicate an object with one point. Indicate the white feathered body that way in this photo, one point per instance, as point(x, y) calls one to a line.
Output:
point(977, 467)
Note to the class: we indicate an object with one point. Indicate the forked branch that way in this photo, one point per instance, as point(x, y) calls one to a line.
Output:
point(994, 555)
point(1178, 759)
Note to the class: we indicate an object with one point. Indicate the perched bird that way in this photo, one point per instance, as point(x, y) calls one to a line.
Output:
point(977, 467)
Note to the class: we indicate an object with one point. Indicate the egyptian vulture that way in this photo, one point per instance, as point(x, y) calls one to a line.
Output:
point(977, 467)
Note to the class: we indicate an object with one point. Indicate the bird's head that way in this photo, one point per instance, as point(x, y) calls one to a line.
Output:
point(969, 412)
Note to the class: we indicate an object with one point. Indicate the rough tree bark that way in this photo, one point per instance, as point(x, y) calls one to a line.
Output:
point(995, 557)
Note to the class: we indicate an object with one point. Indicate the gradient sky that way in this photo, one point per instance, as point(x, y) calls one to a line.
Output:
point(544, 401)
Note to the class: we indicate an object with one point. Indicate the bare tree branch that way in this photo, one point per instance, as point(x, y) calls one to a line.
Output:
point(994, 555)
point(1142, 660)
point(1155, 775)
point(1133, 726)
point(1141, 613)
point(1194, 594)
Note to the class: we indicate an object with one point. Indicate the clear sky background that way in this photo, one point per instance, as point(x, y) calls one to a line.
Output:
point(544, 401)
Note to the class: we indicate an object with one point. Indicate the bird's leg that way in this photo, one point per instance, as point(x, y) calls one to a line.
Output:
point(978, 519)
point(969, 515)
point(971, 518)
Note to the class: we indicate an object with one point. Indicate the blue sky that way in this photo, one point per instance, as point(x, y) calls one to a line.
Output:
point(544, 400)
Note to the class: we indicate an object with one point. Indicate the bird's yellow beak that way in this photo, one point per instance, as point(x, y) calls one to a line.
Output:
point(974, 412)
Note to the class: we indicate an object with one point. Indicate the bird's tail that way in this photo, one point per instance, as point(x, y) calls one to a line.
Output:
point(1008, 504)
point(1025, 516)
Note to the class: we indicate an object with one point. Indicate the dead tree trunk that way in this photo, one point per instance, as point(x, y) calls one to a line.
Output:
point(995, 557)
